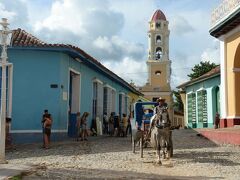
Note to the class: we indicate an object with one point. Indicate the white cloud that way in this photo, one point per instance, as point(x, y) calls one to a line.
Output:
point(5, 13)
point(84, 18)
point(116, 49)
point(115, 32)
point(212, 53)
point(180, 26)
point(104, 44)
point(130, 70)
point(183, 62)
point(16, 12)
point(91, 25)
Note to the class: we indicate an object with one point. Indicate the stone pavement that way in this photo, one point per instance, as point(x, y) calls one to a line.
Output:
point(10, 170)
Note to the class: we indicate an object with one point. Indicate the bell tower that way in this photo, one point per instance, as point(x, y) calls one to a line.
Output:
point(158, 62)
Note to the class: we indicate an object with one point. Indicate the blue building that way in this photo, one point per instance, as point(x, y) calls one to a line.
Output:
point(201, 98)
point(63, 79)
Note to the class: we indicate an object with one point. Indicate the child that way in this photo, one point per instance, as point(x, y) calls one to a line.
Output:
point(84, 126)
point(78, 125)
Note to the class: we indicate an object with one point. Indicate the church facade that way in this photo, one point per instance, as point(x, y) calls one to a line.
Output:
point(158, 63)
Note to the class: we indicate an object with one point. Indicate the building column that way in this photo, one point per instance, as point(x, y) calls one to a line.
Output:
point(210, 109)
point(223, 86)
point(184, 100)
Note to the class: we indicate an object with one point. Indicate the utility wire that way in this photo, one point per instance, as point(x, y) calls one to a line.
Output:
point(153, 73)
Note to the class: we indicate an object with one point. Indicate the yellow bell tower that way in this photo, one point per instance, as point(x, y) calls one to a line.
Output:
point(158, 54)
point(158, 63)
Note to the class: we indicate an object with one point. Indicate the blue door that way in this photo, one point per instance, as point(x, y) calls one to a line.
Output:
point(74, 103)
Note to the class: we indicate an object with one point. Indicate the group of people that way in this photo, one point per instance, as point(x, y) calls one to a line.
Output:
point(114, 126)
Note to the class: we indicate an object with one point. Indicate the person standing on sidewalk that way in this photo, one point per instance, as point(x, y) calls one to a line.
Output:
point(84, 126)
point(45, 114)
point(125, 124)
point(129, 128)
point(111, 124)
point(47, 130)
point(217, 121)
point(105, 123)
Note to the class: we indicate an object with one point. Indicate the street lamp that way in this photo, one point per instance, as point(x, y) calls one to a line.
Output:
point(4, 43)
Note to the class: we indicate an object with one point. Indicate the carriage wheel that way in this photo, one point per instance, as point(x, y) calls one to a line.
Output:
point(171, 146)
point(133, 144)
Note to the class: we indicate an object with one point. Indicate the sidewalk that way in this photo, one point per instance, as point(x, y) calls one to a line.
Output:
point(10, 170)
point(222, 135)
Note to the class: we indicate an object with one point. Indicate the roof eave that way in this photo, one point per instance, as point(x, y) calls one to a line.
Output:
point(224, 23)
point(189, 83)
point(87, 61)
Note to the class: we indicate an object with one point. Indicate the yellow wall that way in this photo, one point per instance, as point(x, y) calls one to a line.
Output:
point(233, 78)
point(132, 99)
point(178, 120)
point(183, 96)
point(159, 80)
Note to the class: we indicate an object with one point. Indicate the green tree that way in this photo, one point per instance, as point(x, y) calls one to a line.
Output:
point(177, 101)
point(201, 68)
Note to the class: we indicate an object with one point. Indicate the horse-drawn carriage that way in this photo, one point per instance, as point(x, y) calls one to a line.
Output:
point(149, 131)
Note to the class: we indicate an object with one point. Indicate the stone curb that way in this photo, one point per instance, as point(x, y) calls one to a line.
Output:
point(8, 171)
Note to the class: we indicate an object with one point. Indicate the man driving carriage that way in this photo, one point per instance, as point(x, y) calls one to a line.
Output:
point(161, 116)
point(158, 134)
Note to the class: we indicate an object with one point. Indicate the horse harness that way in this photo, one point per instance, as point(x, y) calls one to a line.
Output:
point(162, 119)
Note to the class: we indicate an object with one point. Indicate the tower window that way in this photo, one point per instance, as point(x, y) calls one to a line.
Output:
point(158, 39)
point(158, 73)
point(158, 53)
point(158, 25)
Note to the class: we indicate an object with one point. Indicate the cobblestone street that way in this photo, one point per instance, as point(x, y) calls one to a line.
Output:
point(109, 158)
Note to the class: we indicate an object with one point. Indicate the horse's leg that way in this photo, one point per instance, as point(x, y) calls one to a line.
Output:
point(158, 150)
point(163, 146)
point(168, 145)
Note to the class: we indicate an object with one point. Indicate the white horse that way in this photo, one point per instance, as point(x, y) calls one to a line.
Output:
point(161, 134)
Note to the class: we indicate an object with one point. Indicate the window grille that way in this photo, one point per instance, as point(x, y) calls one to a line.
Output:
point(192, 109)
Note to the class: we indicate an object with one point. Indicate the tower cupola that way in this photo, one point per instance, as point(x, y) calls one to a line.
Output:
point(158, 15)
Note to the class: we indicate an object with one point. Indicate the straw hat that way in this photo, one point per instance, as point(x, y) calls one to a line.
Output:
point(160, 99)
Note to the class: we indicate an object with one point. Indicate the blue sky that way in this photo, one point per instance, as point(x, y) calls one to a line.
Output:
point(115, 31)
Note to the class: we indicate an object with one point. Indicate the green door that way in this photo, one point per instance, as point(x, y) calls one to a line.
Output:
point(192, 110)
point(202, 109)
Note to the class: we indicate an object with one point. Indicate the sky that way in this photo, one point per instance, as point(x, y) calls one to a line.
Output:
point(115, 31)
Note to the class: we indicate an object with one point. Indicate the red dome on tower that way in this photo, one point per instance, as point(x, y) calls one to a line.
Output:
point(158, 15)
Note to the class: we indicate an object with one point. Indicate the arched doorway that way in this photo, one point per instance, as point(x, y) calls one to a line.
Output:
point(216, 101)
point(237, 80)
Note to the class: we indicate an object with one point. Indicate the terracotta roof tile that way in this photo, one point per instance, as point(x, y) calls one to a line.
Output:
point(21, 38)
point(158, 15)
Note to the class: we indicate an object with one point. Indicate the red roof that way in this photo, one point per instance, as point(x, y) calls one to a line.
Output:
point(158, 15)
point(21, 38)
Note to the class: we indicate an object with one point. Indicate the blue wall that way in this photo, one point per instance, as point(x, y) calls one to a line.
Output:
point(33, 73)
point(209, 85)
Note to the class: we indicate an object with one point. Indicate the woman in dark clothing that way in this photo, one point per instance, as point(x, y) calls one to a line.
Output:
point(47, 130)
point(111, 124)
